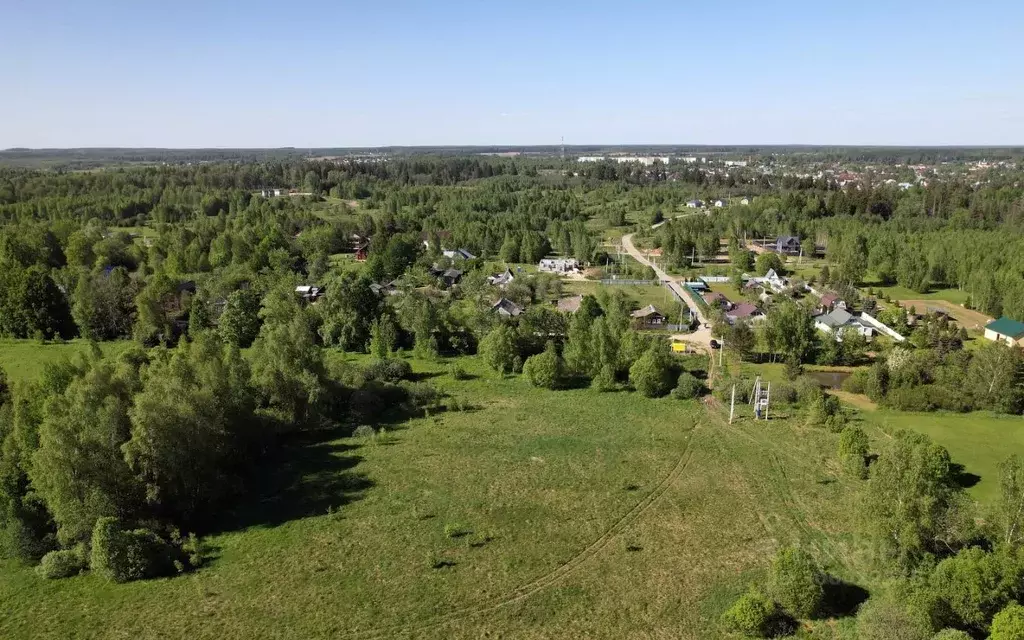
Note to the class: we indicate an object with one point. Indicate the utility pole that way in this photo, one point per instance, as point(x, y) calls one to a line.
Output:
point(721, 351)
point(732, 405)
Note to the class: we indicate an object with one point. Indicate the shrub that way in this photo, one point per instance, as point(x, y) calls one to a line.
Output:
point(457, 372)
point(751, 615)
point(364, 431)
point(784, 393)
point(122, 556)
point(807, 389)
point(795, 583)
point(853, 441)
point(63, 563)
point(605, 379)
point(687, 386)
point(545, 369)
point(974, 584)
point(885, 619)
point(793, 369)
point(651, 374)
point(857, 382)
point(826, 411)
point(500, 350)
point(1008, 624)
point(953, 634)
point(853, 449)
point(420, 395)
point(390, 370)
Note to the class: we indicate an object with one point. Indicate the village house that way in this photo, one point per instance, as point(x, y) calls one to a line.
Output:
point(771, 280)
point(458, 254)
point(787, 245)
point(388, 288)
point(502, 279)
point(648, 317)
point(830, 302)
point(745, 201)
point(559, 265)
point(839, 320)
point(361, 246)
point(743, 311)
point(309, 292)
point(716, 299)
point(1005, 330)
point(695, 204)
point(506, 308)
point(450, 276)
point(721, 202)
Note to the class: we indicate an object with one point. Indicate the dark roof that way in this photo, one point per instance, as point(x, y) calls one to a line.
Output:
point(507, 306)
point(787, 240)
point(1006, 327)
point(743, 310)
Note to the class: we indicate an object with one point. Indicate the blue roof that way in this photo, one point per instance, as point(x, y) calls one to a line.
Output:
point(1006, 327)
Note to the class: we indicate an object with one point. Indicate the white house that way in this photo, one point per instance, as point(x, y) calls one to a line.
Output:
point(840, 320)
point(1006, 331)
point(558, 265)
point(721, 202)
point(694, 204)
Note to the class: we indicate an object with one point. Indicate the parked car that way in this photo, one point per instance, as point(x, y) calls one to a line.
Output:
point(715, 345)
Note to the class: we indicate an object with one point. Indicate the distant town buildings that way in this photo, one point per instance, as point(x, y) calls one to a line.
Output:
point(644, 160)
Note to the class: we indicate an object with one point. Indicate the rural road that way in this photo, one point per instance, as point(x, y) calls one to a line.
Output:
point(702, 336)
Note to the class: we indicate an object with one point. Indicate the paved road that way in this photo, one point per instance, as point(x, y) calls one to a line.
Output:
point(701, 337)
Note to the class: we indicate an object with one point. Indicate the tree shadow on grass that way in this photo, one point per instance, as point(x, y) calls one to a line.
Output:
point(963, 478)
point(841, 598)
point(309, 474)
point(781, 625)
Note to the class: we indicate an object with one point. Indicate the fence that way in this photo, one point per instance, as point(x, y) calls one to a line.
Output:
point(630, 282)
point(882, 328)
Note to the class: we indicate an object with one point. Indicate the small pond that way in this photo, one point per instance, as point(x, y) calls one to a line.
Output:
point(829, 379)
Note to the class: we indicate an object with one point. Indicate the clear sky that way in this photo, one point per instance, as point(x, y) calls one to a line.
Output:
point(325, 73)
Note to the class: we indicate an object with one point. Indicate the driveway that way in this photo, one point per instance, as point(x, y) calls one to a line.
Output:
point(701, 337)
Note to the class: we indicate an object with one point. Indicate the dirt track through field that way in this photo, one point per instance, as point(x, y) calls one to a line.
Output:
point(548, 579)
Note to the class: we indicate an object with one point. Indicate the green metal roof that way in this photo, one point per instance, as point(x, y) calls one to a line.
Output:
point(1007, 327)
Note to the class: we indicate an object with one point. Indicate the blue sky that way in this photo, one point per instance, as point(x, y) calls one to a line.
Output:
point(319, 73)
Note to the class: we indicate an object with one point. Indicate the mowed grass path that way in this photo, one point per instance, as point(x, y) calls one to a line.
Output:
point(548, 514)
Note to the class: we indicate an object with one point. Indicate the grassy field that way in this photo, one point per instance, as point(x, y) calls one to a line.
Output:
point(955, 296)
point(24, 359)
point(642, 295)
point(534, 514)
point(979, 441)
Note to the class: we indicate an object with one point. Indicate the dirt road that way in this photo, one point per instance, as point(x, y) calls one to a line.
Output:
point(702, 336)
